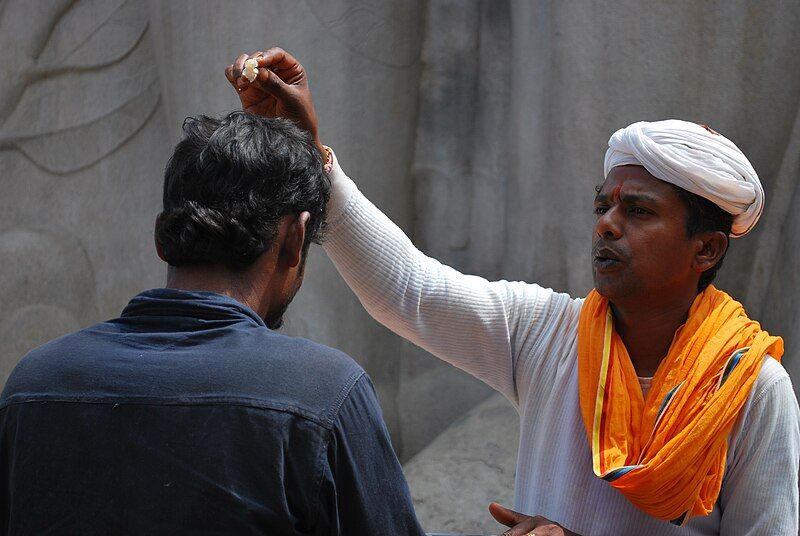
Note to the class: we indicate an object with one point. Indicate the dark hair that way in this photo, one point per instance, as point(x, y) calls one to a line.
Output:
point(704, 216)
point(228, 184)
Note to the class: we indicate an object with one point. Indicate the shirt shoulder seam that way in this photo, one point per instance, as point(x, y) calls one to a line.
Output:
point(344, 392)
point(246, 402)
point(323, 449)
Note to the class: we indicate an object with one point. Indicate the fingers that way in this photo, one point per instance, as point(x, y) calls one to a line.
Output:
point(271, 83)
point(504, 515)
point(542, 530)
point(523, 530)
point(521, 524)
point(280, 88)
point(277, 59)
point(238, 65)
point(239, 85)
point(284, 65)
point(266, 80)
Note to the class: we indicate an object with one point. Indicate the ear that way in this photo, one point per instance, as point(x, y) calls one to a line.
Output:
point(159, 249)
point(292, 249)
point(711, 247)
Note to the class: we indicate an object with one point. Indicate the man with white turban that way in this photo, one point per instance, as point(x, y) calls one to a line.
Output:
point(695, 158)
point(650, 404)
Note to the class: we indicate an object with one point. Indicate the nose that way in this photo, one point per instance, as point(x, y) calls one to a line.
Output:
point(608, 225)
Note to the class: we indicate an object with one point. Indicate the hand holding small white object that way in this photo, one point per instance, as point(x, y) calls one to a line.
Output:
point(279, 89)
point(250, 70)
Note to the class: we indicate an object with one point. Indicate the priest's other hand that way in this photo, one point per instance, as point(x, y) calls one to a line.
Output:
point(279, 90)
point(523, 525)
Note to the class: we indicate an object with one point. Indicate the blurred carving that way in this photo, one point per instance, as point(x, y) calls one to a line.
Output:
point(89, 81)
point(48, 289)
point(366, 28)
point(80, 81)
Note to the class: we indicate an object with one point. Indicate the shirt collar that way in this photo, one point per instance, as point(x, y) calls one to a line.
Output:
point(189, 303)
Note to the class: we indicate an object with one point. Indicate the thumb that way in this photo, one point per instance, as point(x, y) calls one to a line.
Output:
point(505, 516)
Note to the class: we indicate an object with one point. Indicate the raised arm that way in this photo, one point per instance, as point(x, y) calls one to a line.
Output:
point(476, 325)
point(465, 320)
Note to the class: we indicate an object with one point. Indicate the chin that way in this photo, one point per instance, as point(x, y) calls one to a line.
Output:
point(274, 319)
point(604, 292)
point(612, 288)
point(274, 323)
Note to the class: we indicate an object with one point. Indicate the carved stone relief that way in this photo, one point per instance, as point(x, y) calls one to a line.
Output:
point(377, 21)
point(83, 84)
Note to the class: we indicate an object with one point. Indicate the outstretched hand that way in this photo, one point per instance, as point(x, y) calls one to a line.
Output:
point(523, 525)
point(279, 90)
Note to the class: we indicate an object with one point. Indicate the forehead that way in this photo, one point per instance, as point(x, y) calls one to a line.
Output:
point(637, 180)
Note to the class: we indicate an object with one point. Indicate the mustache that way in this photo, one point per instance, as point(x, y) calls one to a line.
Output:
point(602, 249)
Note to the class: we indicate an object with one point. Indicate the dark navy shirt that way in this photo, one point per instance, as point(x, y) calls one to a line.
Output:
point(188, 415)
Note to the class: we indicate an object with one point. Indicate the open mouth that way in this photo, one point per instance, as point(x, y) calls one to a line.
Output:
point(604, 258)
point(604, 262)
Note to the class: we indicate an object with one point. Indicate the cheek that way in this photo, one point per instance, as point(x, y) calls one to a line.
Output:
point(673, 259)
point(663, 252)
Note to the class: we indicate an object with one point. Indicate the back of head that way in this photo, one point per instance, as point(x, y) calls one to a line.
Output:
point(229, 182)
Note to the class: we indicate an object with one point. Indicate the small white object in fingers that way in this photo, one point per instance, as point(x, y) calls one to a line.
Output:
point(250, 70)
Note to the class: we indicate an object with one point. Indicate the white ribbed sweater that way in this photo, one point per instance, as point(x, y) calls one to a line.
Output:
point(521, 339)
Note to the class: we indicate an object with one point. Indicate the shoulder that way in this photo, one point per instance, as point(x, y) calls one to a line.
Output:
point(772, 393)
point(317, 376)
point(256, 367)
point(43, 363)
point(771, 409)
point(772, 380)
point(359, 404)
point(322, 361)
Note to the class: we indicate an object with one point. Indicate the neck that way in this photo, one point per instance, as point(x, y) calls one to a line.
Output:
point(247, 290)
point(647, 327)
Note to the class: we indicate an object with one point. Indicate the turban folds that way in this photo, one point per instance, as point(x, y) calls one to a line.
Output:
point(696, 159)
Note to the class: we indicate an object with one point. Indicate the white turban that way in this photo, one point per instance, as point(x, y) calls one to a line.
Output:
point(695, 159)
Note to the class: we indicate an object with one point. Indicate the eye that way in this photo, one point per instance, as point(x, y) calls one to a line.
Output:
point(600, 210)
point(639, 211)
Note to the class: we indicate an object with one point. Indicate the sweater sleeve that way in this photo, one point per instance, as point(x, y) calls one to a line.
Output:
point(474, 324)
point(760, 490)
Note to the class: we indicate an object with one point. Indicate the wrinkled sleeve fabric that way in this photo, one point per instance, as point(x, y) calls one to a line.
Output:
point(363, 488)
point(759, 494)
point(477, 325)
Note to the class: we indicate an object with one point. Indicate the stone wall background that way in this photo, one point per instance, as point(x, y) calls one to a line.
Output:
point(478, 126)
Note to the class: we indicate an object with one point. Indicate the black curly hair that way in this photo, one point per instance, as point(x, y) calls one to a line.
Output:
point(228, 184)
point(702, 216)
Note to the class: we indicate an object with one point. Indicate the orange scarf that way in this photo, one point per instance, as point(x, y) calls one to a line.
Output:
point(666, 453)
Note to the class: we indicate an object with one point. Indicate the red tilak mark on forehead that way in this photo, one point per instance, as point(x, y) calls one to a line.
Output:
point(616, 191)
